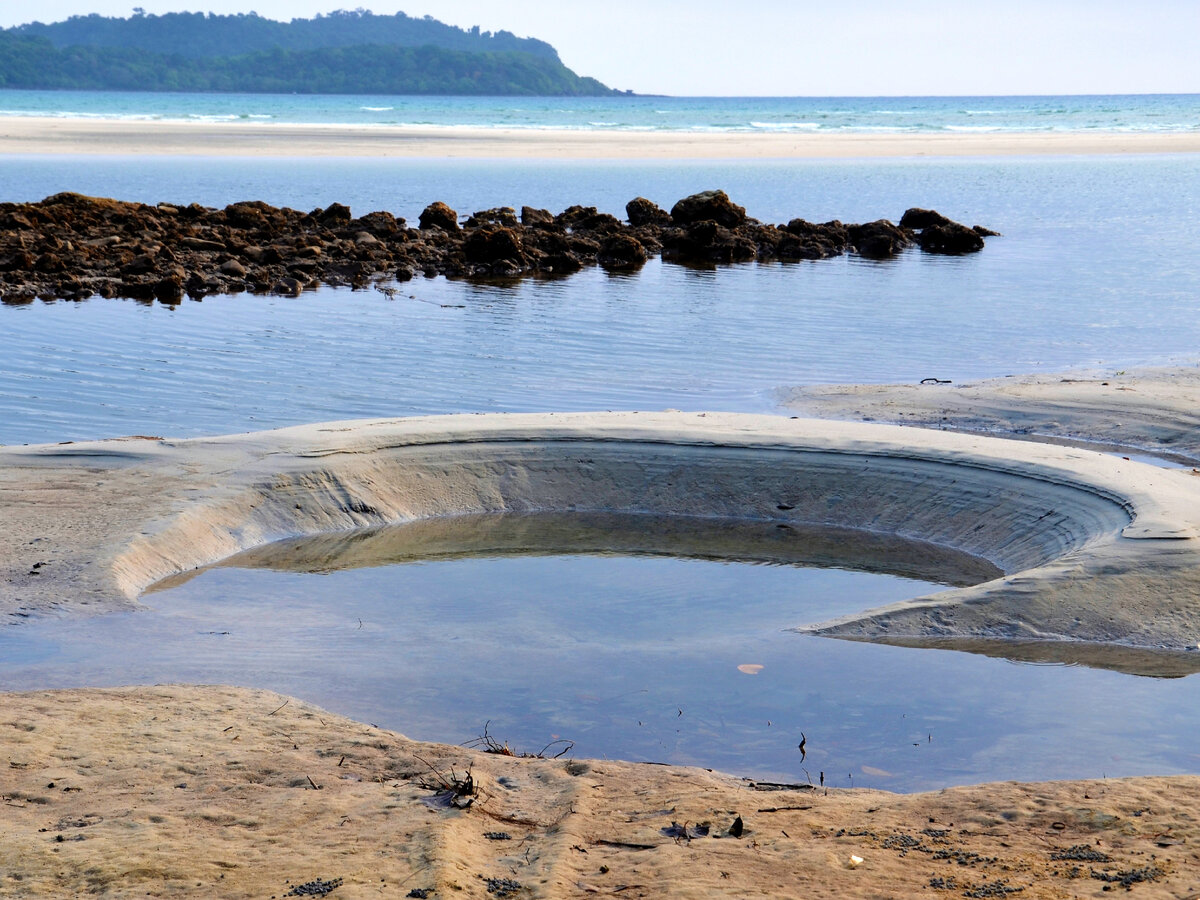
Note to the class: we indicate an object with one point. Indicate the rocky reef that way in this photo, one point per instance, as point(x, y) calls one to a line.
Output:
point(73, 247)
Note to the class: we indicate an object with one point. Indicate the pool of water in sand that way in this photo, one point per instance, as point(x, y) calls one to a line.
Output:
point(673, 648)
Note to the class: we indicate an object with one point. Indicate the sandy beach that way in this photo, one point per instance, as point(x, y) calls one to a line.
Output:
point(222, 792)
point(38, 135)
point(1149, 410)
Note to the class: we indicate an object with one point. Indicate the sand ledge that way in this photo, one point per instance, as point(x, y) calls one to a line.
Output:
point(1096, 549)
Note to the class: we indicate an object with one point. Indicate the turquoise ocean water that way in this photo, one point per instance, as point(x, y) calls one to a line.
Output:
point(1141, 113)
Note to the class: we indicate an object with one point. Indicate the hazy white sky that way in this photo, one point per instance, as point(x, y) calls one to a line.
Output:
point(803, 47)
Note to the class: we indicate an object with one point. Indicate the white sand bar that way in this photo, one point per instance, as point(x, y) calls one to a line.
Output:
point(1149, 409)
point(43, 135)
point(1095, 548)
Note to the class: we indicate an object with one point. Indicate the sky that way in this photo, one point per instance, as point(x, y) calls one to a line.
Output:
point(801, 47)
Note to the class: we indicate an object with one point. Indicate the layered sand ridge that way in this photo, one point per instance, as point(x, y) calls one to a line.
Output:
point(1095, 549)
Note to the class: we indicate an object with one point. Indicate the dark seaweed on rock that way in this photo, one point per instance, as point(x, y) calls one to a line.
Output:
point(72, 247)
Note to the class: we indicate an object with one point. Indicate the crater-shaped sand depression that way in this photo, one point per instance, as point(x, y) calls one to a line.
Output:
point(1094, 548)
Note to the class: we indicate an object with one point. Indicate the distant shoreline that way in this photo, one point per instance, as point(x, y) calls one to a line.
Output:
point(42, 135)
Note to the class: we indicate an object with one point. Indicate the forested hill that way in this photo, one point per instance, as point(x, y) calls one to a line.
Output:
point(342, 52)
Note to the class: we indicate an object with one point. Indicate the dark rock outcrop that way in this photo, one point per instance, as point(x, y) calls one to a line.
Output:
point(707, 241)
point(72, 246)
point(641, 211)
point(708, 206)
point(879, 239)
point(621, 251)
point(439, 215)
point(531, 216)
point(950, 239)
point(501, 215)
point(917, 218)
point(493, 244)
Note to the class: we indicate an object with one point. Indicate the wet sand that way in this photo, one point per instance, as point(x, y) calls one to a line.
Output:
point(1095, 549)
point(222, 792)
point(1150, 410)
point(36, 135)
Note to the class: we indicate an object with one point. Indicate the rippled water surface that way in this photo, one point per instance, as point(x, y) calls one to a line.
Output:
point(627, 654)
point(1094, 268)
point(1142, 112)
point(650, 640)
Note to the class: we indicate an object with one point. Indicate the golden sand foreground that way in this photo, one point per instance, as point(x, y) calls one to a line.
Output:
point(36, 135)
point(216, 792)
point(190, 791)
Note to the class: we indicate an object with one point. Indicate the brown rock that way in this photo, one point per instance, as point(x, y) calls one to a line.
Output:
point(169, 290)
point(574, 216)
point(22, 260)
point(248, 214)
point(641, 211)
point(917, 218)
point(708, 205)
point(565, 263)
point(288, 287)
point(950, 239)
point(139, 265)
point(708, 242)
point(439, 215)
point(531, 217)
point(334, 214)
point(380, 224)
point(493, 244)
point(601, 223)
point(500, 215)
point(879, 239)
point(620, 251)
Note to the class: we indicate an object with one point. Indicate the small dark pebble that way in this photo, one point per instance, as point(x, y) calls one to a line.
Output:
point(1130, 877)
point(1080, 853)
point(901, 842)
point(502, 887)
point(963, 857)
point(315, 888)
point(992, 889)
point(497, 835)
point(419, 893)
point(737, 828)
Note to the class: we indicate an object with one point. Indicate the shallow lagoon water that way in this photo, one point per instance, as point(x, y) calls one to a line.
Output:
point(564, 629)
point(1093, 269)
